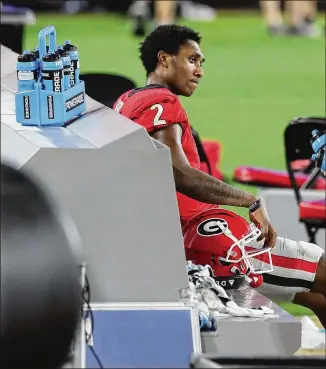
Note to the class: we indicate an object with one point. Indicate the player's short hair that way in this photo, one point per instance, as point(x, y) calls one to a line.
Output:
point(168, 38)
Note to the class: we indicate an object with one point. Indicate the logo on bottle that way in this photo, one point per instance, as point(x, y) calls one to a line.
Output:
point(50, 107)
point(27, 109)
point(57, 81)
point(73, 67)
point(56, 78)
point(75, 101)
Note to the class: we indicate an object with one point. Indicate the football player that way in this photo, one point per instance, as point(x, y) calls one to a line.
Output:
point(173, 61)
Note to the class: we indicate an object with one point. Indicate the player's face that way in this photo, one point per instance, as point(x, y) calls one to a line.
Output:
point(186, 69)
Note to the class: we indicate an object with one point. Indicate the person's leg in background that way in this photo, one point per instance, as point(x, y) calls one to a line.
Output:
point(199, 10)
point(139, 12)
point(311, 10)
point(164, 12)
point(296, 12)
point(302, 15)
point(311, 16)
point(272, 13)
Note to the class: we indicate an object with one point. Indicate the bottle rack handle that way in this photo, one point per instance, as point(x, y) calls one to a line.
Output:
point(52, 33)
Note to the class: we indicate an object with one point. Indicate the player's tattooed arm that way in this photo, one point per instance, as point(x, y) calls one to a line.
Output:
point(195, 183)
point(205, 188)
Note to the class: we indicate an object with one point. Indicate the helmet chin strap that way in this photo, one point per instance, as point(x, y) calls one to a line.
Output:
point(228, 233)
point(241, 243)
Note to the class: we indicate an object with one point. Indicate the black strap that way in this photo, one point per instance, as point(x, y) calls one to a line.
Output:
point(201, 152)
point(255, 205)
point(148, 87)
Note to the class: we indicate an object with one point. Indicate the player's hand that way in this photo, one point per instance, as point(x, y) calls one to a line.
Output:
point(260, 218)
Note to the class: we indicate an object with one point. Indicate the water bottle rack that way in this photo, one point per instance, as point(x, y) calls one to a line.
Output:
point(40, 107)
point(45, 108)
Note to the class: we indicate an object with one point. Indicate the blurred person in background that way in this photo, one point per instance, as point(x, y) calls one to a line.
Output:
point(161, 12)
point(302, 16)
point(94, 6)
point(145, 14)
point(140, 12)
point(310, 10)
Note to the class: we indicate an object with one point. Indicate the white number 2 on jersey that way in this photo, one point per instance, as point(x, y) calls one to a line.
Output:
point(157, 121)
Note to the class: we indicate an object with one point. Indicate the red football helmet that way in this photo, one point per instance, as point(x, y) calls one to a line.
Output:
point(218, 237)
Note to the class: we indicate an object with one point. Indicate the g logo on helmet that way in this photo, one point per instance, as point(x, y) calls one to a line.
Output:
point(210, 227)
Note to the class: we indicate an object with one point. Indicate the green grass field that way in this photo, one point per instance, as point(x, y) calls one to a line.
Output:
point(253, 84)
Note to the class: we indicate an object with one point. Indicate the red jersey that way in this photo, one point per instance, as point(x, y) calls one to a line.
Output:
point(155, 107)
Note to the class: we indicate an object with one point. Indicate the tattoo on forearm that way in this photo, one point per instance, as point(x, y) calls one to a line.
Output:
point(211, 190)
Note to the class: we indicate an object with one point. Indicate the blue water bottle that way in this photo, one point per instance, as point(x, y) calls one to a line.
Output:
point(27, 69)
point(36, 53)
point(66, 66)
point(52, 72)
point(74, 56)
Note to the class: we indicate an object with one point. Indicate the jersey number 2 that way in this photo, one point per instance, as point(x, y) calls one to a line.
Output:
point(157, 121)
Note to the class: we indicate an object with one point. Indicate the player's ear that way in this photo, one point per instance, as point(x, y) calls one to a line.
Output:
point(162, 58)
